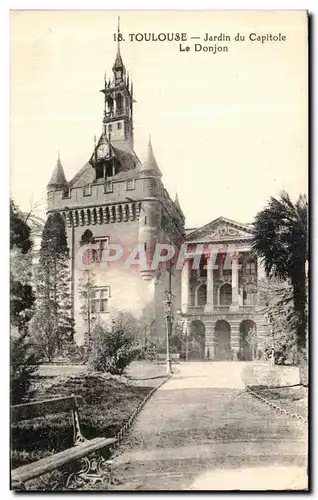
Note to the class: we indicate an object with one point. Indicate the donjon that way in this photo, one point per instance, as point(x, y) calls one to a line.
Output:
point(114, 199)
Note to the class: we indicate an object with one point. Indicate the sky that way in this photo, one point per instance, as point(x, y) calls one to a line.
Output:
point(228, 130)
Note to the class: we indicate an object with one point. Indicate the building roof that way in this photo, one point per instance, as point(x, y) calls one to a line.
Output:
point(127, 158)
point(220, 229)
point(150, 165)
point(177, 204)
point(118, 64)
point(58, 178)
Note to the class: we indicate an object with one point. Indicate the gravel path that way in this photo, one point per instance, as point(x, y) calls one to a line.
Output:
point(201, 430)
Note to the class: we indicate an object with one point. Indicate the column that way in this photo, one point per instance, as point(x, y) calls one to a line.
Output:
point(210, 285)
point(209, 338)
point(185, 278)
point(235, 275)
point(235, 338)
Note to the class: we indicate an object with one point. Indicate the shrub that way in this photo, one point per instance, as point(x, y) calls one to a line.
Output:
point(112, 348)
point(23, 365)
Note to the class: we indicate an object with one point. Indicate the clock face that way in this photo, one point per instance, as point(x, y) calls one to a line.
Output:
point(102, 150)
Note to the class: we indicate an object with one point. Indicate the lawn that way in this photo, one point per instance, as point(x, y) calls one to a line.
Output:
point(292, 399)
point(109, 401)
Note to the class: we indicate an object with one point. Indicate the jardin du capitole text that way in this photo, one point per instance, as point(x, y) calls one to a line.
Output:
point(202, 43)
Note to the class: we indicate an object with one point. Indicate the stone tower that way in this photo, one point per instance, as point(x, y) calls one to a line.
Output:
point(114, 199)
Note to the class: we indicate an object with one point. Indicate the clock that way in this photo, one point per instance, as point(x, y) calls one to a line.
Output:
point(102, 150)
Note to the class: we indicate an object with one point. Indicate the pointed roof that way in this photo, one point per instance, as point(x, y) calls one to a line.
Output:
point(58, 179)
point(150, 165)
point(177, 204)
point(118, 64)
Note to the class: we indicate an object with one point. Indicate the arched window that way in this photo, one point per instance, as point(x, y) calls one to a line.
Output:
point(87, 237)
point(250, 267)
point(225, 295)
point(119, 104)
point(250, 295)
point(201, 295)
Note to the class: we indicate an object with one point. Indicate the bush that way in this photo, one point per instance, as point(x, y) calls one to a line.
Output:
point(112, 348)
point(108, 405)
point(23, 365)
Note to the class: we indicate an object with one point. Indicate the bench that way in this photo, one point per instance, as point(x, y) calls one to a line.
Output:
point(94, 467)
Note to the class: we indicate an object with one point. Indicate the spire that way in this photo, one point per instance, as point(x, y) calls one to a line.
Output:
point(118, 64)
point(150, 165)
point(177, 204)
point(58, 179)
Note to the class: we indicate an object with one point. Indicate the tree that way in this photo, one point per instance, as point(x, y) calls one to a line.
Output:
point(44, 331)
point(53, 286)
point(86, 292)
point(23, 359)
point(113, 346)
point(19, 230)
point(280, 240)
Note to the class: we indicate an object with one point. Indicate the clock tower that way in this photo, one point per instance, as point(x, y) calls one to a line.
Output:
point(118, 104)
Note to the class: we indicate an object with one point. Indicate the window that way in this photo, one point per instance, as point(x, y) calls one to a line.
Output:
point(130, 184)
point(99, 299)
point(250, 267)
point(102, 242)
point(87, 190)
point(250, 295)
point(110, 127)
point(119, 126)
point(225, 295)
point(66, 193)
point(108, 187)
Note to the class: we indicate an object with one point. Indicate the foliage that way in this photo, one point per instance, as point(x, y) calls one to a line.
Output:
point(112, 347)
point(280, 239)
point(53, 288)
point(276, 299)
point(85, 291)
point(44, 331)
point(108, 405)
point(19, 230)
point(23, 359)
point(72, 352)
point(23, 364)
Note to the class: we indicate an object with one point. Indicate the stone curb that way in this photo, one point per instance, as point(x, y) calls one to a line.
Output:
point(276, 407)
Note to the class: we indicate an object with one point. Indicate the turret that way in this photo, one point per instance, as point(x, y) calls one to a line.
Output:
point(149, 224)
point(58, 180)
point(150, 174)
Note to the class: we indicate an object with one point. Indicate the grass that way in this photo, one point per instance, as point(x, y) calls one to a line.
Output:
point(292, 399)
point(109, 401)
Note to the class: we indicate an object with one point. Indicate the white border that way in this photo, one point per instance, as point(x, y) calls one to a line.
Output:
point(5, 6)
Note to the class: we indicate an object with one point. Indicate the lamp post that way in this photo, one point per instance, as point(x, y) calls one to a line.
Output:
point(167, 306)
point(180, 315)
point(72, 264)
point(272, 337)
